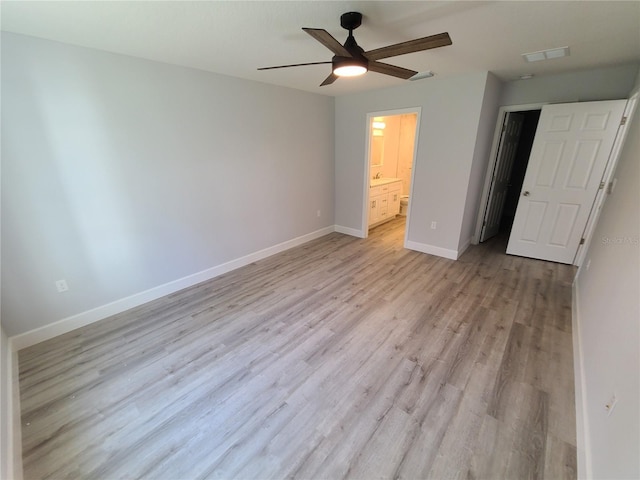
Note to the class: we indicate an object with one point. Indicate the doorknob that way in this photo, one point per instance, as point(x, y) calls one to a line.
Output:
point(525, 193)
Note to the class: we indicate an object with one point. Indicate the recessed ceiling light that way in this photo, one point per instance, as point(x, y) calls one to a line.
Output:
point(546, 54)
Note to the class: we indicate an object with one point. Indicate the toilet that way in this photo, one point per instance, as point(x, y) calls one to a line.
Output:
point(404, 204)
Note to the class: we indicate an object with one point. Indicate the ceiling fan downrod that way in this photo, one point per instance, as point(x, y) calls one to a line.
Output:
point(357, 64)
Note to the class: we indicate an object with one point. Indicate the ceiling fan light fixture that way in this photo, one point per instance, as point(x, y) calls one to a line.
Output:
point(350, 70)
point(349, 66)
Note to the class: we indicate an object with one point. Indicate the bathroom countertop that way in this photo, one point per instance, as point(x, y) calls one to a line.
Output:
point(382, 181)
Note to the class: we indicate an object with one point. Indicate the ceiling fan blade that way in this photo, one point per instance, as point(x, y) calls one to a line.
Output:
point(328, 41)
point(392, 70)
point(417, 45)
point(293, 65)
point(329, 80)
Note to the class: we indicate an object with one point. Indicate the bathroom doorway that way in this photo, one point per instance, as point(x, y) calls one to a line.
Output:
point(392, 140)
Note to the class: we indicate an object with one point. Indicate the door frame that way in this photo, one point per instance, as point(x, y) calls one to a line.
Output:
point(367, 166)
point(607, 178)
point(535, 240)
point(493, 158)
point(499, 164)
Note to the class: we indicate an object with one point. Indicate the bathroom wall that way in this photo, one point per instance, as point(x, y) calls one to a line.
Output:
point(391, 138)
point(406, 150)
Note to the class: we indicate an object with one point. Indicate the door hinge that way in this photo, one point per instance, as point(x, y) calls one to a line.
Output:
point(623, 121)
point(602, 184)
point(582, 241)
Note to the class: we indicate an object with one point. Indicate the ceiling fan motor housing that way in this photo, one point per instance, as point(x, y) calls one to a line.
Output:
point(350, 20)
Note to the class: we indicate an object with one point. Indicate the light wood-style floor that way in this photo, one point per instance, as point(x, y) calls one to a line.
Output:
point(342, 358)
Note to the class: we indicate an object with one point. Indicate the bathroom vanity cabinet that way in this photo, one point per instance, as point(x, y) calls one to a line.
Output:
point(384, 199)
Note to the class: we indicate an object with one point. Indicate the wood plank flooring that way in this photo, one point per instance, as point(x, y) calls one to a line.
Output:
point(342, 358)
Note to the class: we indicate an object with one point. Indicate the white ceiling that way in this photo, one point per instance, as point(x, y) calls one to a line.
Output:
point(235, 37)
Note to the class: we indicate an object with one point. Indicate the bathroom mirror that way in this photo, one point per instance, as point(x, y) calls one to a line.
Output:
point(377, 148)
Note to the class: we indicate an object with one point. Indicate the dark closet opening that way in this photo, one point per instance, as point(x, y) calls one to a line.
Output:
point(519, 170)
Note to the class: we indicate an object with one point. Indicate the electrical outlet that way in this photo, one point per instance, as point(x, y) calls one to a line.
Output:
point(61, 286)
point(433, 225)
point(610, 405)
point(318, 214)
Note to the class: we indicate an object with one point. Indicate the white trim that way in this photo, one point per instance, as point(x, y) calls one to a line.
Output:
point(607, 177)
point(350, 231)
point(493, 158)
point(416, 140)
point(364, 221)
point(367, 166)
point(13, 425)
point(462, 248)
point(90, 316)
point(15, 431)
point(583, 442)
point(432, 250)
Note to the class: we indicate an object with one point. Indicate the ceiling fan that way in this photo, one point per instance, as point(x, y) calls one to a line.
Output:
point(350, 59)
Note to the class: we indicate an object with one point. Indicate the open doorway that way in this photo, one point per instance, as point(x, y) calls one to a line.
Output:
point(564, 177)
point(511, 160)
point(391, 151)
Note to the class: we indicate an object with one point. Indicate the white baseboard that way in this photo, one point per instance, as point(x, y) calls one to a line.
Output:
point(582, 427)
point(463, 247)
point(15, 429)
point(349, 231)
point(432, 250)
point(65, 325)
point(99, 313)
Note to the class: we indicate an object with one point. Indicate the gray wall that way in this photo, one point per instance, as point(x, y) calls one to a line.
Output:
point(484, 137)
point(120, 174)
point(610, 83)
point(608, 313)
point(456, 129)
point(451, 112)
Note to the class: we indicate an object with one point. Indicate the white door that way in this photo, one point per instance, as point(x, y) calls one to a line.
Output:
point(568, 157)
point(509, 140)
